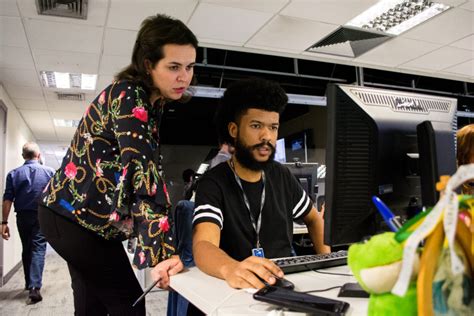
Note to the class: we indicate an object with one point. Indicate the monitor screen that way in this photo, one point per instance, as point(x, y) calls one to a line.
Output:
point(378, 144)
point(280, 154)
point(298, 145)
point(306, 174)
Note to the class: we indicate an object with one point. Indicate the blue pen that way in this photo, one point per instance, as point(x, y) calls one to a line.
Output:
point(387, 215)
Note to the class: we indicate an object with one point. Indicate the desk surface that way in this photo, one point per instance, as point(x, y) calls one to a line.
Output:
point(214, 297)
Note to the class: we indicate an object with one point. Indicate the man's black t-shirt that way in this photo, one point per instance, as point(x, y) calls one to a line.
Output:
point(219, 200)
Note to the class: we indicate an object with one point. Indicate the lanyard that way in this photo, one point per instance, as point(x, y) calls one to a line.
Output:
point(256, 225)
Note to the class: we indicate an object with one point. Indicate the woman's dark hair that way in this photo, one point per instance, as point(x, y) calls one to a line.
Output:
point(155, 32)
point(252, 93)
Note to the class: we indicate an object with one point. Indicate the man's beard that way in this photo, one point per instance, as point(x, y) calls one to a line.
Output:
point(244, 155)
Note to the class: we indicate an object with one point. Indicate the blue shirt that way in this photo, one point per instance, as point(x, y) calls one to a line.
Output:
point(26, 183)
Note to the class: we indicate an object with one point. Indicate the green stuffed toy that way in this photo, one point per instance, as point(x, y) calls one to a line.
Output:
point(376, 265)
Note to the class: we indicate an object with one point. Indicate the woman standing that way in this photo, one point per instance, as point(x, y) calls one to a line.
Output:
point(465, 153)
point(110, 186)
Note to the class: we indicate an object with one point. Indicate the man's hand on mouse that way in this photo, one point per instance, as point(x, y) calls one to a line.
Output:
point(250, 272)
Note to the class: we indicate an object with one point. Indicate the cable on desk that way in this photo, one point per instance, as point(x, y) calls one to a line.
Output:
point(332, 273)
point(323, 290)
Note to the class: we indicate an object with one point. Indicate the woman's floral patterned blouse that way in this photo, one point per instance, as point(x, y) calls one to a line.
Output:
point(110, 180)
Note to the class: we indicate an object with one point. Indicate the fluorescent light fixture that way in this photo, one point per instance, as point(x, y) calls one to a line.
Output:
point(216, 93)
point(62, 80)
point(207, 92)
point(88, 82)
point(65, 80)
point(66, 123)
point(397, 16)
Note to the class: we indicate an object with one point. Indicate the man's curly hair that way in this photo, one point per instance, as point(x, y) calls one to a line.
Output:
point(252, 93)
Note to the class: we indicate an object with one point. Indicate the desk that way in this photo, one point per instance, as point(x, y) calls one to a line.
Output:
point(213, 296)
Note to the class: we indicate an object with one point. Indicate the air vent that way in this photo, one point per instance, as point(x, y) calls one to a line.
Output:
point(71, 96)
point(63, 8)
point(400, 103)
point(348, 42)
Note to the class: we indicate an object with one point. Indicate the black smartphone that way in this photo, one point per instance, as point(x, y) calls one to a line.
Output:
point(301, 302)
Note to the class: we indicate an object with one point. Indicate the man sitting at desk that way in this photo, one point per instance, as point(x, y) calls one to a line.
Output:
point(245, 207)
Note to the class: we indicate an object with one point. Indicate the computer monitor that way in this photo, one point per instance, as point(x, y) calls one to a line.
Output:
point(391, 144)
point(280, 151)
point(307, 174)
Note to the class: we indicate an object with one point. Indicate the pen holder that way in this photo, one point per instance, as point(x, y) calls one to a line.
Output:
point(399, 281)
point(444, 282)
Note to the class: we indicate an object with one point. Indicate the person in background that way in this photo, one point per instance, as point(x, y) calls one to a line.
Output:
point(465, 153)
point(23, 188)
point(110, 186)
point(188, 178)
point(225, 153)
point(245, 207)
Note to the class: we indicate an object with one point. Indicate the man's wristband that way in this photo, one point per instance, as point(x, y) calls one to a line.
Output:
point(4, 222)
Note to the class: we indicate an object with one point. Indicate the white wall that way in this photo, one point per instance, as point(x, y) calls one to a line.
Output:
point(17, 134)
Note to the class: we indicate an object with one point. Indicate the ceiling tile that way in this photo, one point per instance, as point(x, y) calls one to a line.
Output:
point(453, 3)
point(465, 69)
point(76, 107)
point(40, 123)
point(22, 92)
point(103, 82)
point(449, 26)
point(291, 34)
point(397, 51)
point(12, 32)
point(225, 23)
point(20, 77)
point(65, 133)
point(269, 6)
point(110, 65)
point(64, 36)
point(125, 14)
point(469, 5)
point(96, 13)
point(26, 104)
point(218, 43)
point(72, 62)
point(9, 8)
point(16, 57)
point(67, 115)
point(440, 59)
point(466, 43)
point(119, 42)
point(329, 11)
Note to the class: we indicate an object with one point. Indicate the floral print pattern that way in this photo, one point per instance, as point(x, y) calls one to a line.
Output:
point(109, 181)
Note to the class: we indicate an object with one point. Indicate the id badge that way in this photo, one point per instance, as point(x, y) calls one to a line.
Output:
point(258, 252)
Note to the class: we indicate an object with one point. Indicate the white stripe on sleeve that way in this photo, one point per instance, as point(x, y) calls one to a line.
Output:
point(208, 207)
point(208, 214)
point(298, 214)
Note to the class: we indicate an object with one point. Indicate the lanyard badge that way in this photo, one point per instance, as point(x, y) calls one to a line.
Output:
point(258, 250)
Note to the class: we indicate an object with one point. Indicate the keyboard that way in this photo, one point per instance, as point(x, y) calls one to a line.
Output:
point(311, 262)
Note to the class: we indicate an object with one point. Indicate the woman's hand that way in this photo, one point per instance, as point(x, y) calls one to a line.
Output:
point(163, 270)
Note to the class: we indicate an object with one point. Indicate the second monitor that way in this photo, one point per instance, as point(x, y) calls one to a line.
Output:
point(306, 173)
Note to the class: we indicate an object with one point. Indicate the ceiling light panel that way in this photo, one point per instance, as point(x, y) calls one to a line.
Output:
point(397, 16)
point(65, 80)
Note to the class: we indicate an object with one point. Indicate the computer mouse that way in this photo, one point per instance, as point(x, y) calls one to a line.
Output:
point(284, 283)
